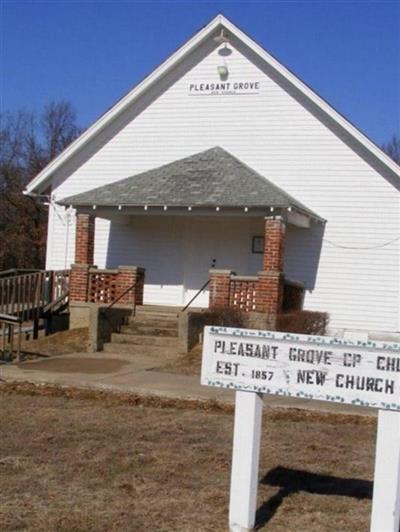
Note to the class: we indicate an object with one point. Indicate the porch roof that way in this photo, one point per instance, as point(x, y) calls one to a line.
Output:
point(212, 178)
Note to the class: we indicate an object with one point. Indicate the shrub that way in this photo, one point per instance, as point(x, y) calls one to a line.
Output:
point(293, 297)
point(303, 322)
point(225, 317)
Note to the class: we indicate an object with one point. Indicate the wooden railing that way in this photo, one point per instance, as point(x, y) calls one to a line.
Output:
point(28, 297)
point(16, 271)
point(10, 336)
point(28, 294)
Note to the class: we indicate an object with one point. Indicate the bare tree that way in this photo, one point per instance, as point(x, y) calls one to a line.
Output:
point(392, 148)
point(27, 145)
point(59, 128)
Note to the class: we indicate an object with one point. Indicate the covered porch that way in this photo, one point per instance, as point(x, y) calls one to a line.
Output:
point(206, 231)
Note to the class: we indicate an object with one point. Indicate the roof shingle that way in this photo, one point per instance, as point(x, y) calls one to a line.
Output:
point(212, 178)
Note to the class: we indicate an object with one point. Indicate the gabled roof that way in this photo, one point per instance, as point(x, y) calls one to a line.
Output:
point(211, 30)
point(211, 178)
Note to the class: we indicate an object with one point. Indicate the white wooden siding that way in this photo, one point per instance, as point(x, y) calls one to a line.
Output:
point(276, 135)
point(172, 250)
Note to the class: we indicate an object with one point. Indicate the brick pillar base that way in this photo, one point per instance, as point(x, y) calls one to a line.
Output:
point(269, 295)
point(219, 288)
point(130, 277)
point(78, 282)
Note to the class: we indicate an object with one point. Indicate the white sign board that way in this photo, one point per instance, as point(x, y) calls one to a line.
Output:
point(310, 367)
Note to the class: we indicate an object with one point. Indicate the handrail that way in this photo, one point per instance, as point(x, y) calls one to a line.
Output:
point(197, 294)
point(18, 271)
point(110, 305)
point(10, 319)
point(26, 294)
point(55, 302)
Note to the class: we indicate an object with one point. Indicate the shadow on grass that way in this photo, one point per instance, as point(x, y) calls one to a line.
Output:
point(292, 481)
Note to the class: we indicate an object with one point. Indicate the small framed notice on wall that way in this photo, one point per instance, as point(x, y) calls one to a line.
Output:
point(257, 245)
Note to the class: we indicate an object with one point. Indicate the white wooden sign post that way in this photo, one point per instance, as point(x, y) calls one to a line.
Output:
point(386, 498)
point(246, 445)
point(321, 368)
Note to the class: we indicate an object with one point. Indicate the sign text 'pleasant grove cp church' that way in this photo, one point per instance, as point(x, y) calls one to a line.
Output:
point(322, 368)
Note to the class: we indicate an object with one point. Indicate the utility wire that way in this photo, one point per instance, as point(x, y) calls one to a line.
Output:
point(378, 246)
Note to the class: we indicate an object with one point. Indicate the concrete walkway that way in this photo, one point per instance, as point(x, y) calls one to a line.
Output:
point(137, 374)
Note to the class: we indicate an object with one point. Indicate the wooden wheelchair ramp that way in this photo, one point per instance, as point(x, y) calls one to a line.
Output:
point(28, 296)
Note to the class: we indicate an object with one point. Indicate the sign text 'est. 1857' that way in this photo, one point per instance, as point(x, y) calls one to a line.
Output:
point(321, 368)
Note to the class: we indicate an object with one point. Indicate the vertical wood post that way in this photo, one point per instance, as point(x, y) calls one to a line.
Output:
point(35, 328)
point(11, 338)
point(4, 338)
point(386, 498)
point(19, 342)
point(245, 461)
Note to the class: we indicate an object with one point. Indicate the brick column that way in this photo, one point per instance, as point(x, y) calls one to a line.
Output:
point(84, 239)
point(270, 280)
point(219, 288)
point(274, 244)
point(78, 282)
point(84, 248)
point(130, 276)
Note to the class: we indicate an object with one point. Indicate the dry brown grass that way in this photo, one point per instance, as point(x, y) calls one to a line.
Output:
point(61, 343)
point(185, 363)
point(75, 460)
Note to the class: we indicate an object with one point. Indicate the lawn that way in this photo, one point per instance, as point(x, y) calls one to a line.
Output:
point(93, 461)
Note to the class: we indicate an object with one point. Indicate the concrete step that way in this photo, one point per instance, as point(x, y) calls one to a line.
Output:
point(136, 339)
point(157, 310)
point(145, 350)
point(150, 330)
point(163, 308)
point(155, 315)
point(156, 321)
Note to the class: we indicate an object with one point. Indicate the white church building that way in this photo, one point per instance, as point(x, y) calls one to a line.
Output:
point(222, 159)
